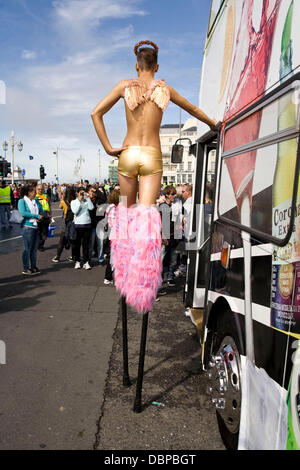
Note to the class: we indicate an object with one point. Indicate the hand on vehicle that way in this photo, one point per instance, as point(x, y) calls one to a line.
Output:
point(215, 125)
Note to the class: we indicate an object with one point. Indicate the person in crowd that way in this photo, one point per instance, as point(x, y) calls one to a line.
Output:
point(32, 212)
point(208, 208)
point(48, 191)
point(177, 215)
point(160, 199)
point(177, 209)
point(82, 220)
point(187, 193)
point(209, 188)
point(169, 243)
point(54, 193)
point(16, 194)
point(43, 225)
point(110, 214)
point(6, 203)
point(62, 188)
point(65, 205)
point(98, 199)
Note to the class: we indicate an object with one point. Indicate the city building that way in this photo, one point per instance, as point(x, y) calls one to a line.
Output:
point(113, 175)
point(169, 133)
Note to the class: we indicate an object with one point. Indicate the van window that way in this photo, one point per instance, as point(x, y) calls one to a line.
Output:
point(258, 169)
point(264, 122)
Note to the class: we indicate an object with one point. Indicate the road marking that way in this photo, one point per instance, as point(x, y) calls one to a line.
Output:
point(16, 238)
point(8, 239)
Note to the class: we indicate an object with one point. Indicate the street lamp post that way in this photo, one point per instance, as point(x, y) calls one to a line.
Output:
point(12, 142)
point(99, 166)
point(56, 153)
point(5, 148)
point(80, 161)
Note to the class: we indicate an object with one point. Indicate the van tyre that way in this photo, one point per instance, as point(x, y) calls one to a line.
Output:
point(224, 372)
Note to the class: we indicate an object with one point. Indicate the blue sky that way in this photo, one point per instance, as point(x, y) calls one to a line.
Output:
point(60, 57)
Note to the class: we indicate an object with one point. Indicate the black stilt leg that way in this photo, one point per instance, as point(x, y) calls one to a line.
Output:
point(126, 379)
point(137, 408)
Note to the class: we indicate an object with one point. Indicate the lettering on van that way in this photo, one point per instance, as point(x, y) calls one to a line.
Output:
point(281, 219)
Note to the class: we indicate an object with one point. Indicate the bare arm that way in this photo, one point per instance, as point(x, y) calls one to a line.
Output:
point(176, 98)
point(97, 116)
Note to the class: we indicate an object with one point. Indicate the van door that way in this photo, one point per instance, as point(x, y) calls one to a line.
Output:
point(198, 246)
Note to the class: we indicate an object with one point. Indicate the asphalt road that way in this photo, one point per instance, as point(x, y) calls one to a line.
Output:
point(61, 386)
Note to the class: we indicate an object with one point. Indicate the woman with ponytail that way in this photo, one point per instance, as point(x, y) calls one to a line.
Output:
point(136, 238)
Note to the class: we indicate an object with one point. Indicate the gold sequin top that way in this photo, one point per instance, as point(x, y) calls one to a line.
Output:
point(136, 93)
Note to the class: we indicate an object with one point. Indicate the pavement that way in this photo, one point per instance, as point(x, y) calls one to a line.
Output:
point(61, 386)
point(177, 414)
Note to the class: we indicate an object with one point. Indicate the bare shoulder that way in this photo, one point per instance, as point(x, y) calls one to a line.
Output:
point(172, 91)
point(178, 99)
point(120, 87)
point(123, 84)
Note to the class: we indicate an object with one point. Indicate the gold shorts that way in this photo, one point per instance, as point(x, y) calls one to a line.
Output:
point(139, 160)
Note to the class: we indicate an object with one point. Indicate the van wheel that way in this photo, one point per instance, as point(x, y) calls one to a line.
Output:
point(224, 374)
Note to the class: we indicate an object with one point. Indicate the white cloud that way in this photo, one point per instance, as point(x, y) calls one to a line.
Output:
point(28, 55)
point(77, 21)
point(90, 12)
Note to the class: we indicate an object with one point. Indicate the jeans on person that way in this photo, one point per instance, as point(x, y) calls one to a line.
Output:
point(31, 238)
point(171, 251)
point(97, 233)
point(83, 238)
point(4, 209)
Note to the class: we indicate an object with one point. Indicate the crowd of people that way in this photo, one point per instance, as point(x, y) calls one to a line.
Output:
point(89, 214)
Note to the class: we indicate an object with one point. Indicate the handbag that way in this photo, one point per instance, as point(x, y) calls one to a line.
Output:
point(15, 217)
point(72, 232)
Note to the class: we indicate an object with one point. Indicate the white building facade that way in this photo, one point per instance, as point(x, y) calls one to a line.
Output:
point(169, 133)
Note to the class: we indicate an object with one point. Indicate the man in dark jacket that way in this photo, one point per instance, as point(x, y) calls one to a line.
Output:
point(169, 243)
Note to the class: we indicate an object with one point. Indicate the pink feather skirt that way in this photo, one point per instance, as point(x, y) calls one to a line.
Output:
point(136, 255)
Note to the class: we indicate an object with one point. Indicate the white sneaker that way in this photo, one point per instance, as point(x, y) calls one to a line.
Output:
point(87, 266)
point(77, 265)
point(107, 282)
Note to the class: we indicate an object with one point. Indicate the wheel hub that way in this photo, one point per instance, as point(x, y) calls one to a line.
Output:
point(224, 374)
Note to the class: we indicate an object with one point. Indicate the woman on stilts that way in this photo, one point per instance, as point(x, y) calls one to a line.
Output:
point(136, 241)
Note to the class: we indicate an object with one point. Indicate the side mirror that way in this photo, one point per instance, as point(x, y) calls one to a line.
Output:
point(177, 150)
point(177, 153)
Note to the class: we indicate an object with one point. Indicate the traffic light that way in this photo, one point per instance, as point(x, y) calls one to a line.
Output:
point(6, 168)
point(42, 172)
point(1, 167)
